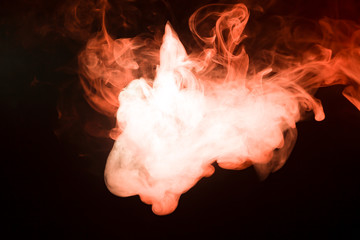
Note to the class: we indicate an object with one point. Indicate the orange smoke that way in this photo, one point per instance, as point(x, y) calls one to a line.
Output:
point(177, 113)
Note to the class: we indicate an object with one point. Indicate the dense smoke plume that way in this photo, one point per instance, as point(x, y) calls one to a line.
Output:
point(179, 112)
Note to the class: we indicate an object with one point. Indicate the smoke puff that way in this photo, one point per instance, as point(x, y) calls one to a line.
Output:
point(204, 107)
point(171, 135)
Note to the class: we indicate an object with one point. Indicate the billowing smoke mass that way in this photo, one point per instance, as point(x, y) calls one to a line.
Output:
point(226, 101)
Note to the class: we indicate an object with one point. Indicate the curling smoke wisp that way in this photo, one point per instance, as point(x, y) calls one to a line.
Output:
point(178, 112)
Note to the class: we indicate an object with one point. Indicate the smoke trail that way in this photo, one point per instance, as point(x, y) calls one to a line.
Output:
point(177, 114)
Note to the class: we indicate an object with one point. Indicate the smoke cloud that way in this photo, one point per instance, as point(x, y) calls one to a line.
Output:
point(178, 113)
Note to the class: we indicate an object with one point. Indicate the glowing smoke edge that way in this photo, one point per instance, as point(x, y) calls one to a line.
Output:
point(202, 108)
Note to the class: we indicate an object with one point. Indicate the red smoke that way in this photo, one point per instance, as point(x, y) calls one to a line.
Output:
point(178, 113)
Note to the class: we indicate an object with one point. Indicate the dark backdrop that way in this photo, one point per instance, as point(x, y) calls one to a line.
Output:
point(52, 170)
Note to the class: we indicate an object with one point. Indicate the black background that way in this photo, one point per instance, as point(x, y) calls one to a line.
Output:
point(52, 170)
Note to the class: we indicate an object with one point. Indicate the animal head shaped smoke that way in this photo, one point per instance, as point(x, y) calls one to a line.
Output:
point(193, 110)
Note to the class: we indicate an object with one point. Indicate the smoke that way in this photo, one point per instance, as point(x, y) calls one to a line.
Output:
point(178, 113)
